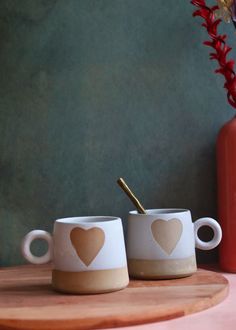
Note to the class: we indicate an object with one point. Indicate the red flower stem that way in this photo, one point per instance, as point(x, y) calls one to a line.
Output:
point(221, 50)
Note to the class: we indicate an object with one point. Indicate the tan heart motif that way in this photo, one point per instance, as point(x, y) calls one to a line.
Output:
point(167, 233)
point(87, 242)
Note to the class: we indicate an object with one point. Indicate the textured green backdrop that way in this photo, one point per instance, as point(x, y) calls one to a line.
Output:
point(91, 90)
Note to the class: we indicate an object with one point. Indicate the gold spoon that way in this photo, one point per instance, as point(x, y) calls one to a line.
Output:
point(131, 195)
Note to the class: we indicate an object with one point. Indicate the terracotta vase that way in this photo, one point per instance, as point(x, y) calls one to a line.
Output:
point(226, 181)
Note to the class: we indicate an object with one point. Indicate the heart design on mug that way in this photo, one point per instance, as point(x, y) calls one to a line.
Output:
point(167, 233)
point(87, 243)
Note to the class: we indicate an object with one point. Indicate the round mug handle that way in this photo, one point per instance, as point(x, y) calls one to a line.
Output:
point(28, 239)
point(216, 229)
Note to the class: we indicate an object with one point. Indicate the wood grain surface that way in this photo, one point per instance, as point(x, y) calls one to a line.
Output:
point(27, 301)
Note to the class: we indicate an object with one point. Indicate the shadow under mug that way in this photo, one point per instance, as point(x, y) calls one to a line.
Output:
point(161, 244)
point(88, 254)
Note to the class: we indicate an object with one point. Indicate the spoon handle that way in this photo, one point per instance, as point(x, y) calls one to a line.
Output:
point(131, 195)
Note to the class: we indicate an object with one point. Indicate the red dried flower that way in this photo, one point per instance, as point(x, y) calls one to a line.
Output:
point(218, 43)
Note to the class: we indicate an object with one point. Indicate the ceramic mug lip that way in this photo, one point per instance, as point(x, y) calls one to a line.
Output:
point(87, 220)
point(165, 211)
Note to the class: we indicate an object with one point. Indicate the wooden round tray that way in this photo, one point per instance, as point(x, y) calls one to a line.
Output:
point(27, 301)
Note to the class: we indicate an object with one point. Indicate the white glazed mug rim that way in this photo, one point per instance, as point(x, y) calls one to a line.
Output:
point(94, 219)
point(162, 211)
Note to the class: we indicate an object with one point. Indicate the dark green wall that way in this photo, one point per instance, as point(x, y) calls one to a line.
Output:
point(91, 90)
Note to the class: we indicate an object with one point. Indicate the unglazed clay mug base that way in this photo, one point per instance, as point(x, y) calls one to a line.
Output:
point(88, 254)
point(161, 244)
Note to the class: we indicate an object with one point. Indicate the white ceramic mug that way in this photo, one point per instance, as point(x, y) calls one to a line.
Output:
point(161, 243)
point(88, 254)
